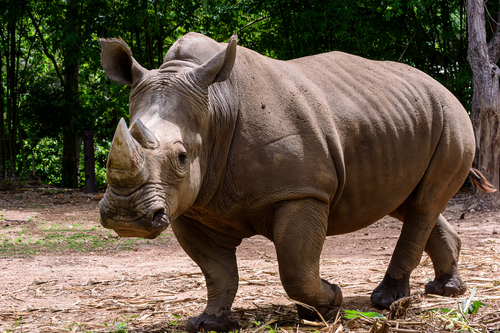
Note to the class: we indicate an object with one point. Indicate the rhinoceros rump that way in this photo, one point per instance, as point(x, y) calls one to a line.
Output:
point(224, 147)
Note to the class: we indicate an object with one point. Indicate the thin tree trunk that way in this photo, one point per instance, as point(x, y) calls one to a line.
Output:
point(23, 168)
point(3, 139)
point(149, 49)
point(16, 100)
point(461, 31)
point(11, 100)
point(485, 113)
point(287, 25)
point(160, 48)
point(33, 164)
point(88, 151)
point(159, 36)
point(138, 45)
point(70, 161)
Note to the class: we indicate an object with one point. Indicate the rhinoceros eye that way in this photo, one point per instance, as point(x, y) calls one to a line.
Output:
point(179, 159)
point(182, 158)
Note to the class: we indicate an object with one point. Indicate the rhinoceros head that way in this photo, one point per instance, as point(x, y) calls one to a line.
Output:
point(154, 169)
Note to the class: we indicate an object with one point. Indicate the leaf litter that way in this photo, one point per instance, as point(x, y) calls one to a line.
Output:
point(156, 288)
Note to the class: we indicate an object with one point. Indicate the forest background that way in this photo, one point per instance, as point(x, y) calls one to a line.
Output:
point(52, 86)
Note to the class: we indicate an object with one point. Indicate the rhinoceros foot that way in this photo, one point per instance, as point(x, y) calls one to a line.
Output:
point(327, 311)
point(390, 290)
point(446, 286)
point(212, 323)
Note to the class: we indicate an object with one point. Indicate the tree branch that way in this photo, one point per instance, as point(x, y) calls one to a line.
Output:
point(26, 62)
point(494, 43)
point(255, 21)
point(44, 44)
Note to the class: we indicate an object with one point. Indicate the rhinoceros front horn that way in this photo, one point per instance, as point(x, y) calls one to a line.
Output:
point(125, 167)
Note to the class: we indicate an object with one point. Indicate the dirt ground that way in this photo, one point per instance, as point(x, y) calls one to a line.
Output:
point(85, 279)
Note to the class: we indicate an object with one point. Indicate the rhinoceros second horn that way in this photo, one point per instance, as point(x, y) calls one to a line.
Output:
point(143, 135)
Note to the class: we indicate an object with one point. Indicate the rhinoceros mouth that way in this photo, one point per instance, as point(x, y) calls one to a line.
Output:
point(149, 226)
point(134, 215)
point(146, 227)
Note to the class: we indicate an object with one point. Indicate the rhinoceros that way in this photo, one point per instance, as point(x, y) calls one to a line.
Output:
point(225, 144)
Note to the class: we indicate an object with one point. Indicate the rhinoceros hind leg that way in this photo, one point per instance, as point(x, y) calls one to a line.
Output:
point(215, 253)
point(446, 285)
point(417, 226)
point(299, 230)
point(443, 246)
point(390, 290)
point(212, 323)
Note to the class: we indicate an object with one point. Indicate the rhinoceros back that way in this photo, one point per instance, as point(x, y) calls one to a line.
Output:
point(356, 133)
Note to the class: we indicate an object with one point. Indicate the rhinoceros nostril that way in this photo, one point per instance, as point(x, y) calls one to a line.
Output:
point(158, 218)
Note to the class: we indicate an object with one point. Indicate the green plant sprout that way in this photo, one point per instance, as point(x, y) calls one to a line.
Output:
point(120, 327)
point(457, 318)
point(176, 320)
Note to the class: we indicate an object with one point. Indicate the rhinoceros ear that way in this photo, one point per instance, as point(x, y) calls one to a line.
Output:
point(219, 67)
point(118, 62)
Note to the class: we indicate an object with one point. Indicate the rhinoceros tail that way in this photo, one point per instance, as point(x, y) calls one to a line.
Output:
point(477, 178)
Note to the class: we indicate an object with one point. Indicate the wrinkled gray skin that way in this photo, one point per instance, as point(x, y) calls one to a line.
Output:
point(226, 143)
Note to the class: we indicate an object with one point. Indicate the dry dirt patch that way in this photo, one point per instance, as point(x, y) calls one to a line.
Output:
point(60, 271)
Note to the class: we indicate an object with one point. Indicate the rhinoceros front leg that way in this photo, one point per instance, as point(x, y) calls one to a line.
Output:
point(215, 254)
point(299, 230)
point(443, 247)
point(416, 229)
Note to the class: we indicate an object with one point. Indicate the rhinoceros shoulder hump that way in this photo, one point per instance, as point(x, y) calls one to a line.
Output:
point(193, 47)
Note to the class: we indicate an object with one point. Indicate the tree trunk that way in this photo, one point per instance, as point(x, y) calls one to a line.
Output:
point(138, 46)
point(12, 100)
point(160, 48)
point(69, 165)
point(3, 137)
point(485, 113)
point(88, 153)
point(149, 49)
point(287, 24)
point(71, 55)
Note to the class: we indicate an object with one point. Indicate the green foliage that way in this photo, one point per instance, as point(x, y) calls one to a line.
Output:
point(351, 314)
point(120, 327)
point(176, 320)
point(6, 184)
point(77, 327)
point(16, 326)
point(48, 160)
point(38, 107)
point(42, 110)
point(59, 237)
point(101, 151)
point(458, 318)
point(473, 307)
point(116, 326)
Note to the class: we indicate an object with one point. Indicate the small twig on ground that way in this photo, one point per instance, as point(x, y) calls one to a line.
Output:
point(403, 330)
point(17, 299)
point(93, 282)
point(311, 323)
point(36, 283)
point(312, 308)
